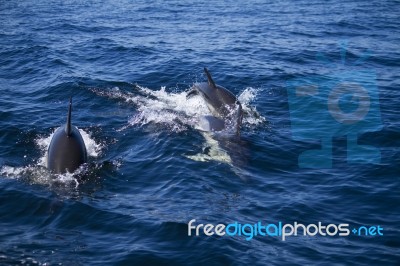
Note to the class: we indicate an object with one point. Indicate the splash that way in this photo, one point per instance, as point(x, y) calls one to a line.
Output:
point(37, 174)
point(173, 111)
point(169, 109)
point(252, 117)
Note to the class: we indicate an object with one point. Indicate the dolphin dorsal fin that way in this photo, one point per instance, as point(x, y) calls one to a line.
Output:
point(68, 127)
point(210, 80)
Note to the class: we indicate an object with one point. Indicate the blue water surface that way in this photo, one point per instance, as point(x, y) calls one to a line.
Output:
point(128, 66)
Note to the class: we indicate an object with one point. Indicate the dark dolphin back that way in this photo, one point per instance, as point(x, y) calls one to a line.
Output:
point(218, 98)
point(67, 150)
point(66, 153)
point(227, 96)
point(221, 102)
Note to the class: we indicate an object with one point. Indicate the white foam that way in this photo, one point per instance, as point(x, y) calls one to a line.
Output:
point(247, 95)
point(11, 172)
point(92, 147)
point(43, 144)
point(251, 117)
point(170, 109)
point(39, 175)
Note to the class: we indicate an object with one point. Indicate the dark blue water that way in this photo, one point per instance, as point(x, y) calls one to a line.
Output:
point(129, 65)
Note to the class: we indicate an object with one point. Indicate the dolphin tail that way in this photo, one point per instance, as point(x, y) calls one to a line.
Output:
point(68, 127)
point(210, 80)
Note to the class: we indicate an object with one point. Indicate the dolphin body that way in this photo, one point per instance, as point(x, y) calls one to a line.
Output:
point(67, 150)
point(222, 103)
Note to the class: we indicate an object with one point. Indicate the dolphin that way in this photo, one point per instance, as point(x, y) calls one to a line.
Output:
point(67, 150)
point(222, 103)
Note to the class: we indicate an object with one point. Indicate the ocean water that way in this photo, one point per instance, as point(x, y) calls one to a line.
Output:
point(128, 66)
